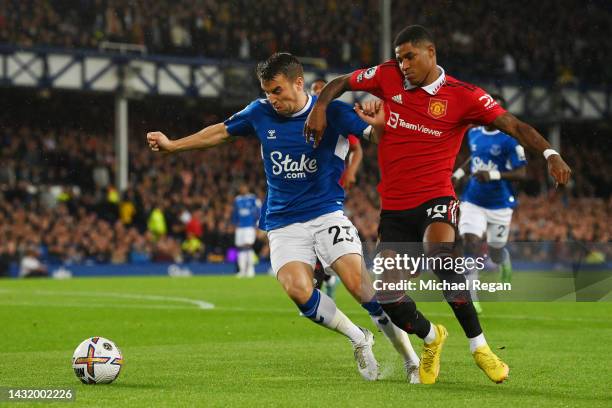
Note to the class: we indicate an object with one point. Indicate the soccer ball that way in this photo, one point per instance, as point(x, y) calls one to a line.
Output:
point(97, 361)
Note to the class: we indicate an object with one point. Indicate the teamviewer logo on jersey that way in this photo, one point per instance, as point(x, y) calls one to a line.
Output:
point(393, 120)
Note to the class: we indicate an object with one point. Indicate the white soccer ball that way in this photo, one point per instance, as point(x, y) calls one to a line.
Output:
point(97, 361)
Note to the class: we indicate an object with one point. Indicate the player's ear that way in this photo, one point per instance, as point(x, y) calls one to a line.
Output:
point(299, 84)
point(431, 50)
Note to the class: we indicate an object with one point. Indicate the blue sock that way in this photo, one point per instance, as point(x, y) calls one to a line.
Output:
point(322, 310)
point(375, 311)
point(309, 309)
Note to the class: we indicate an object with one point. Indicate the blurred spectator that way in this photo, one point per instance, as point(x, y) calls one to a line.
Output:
point(31, 266)
point(157, 223)
point(192, 247)
point(486, 38)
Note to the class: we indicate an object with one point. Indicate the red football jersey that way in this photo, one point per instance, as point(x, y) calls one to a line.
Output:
point(423, 132)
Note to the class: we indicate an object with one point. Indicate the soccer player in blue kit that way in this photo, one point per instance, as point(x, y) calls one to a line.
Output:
point(488, 200)
point(302, 212)
point(245, 213)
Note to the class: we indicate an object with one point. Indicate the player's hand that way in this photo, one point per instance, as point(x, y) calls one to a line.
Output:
point(482, 176)
point(158, 142)
point(315, 125)
point(558, 169)
point(371, 112)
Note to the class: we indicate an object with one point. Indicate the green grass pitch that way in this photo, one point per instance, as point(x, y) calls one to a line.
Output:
point(253, 349)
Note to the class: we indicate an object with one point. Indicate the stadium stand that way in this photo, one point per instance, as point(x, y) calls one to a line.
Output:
point(477, 38)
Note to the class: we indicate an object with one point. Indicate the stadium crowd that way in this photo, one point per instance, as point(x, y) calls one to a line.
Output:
point(60, 204)
point(476, 38)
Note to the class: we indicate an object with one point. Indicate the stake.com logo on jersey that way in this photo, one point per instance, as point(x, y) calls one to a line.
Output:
point(293, 169)
point(394, 120)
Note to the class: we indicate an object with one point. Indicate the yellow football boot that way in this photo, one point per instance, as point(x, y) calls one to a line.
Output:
point(492, 365)
point(430, 357)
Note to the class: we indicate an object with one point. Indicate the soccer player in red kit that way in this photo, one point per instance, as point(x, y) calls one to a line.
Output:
point(426, 113)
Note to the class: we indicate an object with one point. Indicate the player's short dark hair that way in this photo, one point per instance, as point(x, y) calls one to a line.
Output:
point(319, 79)
point(414, 34)
point(500, 99)
point(280, 63)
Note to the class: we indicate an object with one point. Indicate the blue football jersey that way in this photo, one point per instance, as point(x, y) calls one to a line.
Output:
point(246, 211)
point(303, 182)
point(492, 150)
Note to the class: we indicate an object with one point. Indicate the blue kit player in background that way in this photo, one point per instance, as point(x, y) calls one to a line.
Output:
point(303, 209)
point(488, 200)
point(245, 215)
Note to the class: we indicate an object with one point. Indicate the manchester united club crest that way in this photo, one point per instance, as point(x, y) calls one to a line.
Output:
point(437, 107)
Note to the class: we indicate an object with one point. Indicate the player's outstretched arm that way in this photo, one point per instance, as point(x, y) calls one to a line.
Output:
point(530, 138)
point(485, 176)
point(317, 122)
point(208, 137)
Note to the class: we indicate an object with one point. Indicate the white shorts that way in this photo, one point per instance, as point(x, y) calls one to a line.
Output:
point(244, 236)
point(327, 237)
point(475, 219)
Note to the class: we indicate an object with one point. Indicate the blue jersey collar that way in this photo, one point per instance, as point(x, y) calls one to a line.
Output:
point(305, 108)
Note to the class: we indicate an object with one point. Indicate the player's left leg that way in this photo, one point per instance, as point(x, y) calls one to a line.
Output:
point(249, 241)
point(293, 256)
point(498, 231)
point(439, 239)
point(240, 240)
point(338, 244)
point(472, 227)
point(352, 271)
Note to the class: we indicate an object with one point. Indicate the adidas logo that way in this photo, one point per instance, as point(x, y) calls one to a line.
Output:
point(397, 98)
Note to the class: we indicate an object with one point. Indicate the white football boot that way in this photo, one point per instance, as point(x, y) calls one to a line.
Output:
point(366, 362)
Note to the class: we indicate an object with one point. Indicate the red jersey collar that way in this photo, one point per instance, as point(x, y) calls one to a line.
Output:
point(432, 88)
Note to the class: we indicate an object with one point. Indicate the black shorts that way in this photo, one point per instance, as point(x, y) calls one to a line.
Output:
point(409, 225)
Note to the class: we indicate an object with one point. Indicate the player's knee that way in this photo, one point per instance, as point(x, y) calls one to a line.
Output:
point(298, 288)
point(471, 244)
point(299, 294)
point(445, 271)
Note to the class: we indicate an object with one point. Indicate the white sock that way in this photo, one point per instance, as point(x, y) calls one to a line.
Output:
point(470, 277)
point(250, 268)
point(347, 327)
point(398, 338)
point(476, 342)
point(242, 262)
point(431, 336)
